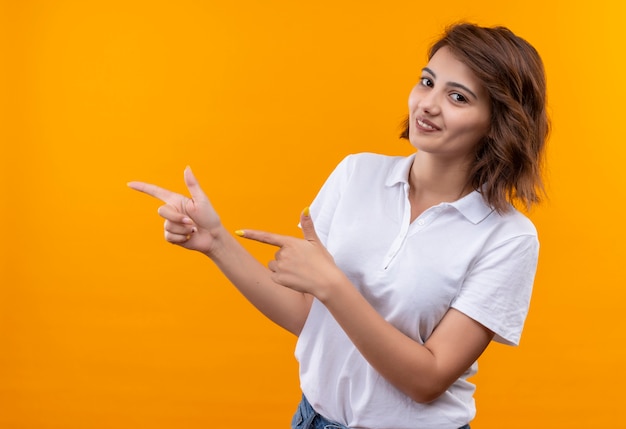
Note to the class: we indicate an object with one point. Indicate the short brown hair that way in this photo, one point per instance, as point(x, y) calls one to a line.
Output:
point(509, 160)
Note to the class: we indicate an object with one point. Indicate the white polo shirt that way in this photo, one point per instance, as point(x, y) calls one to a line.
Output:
point(462, 255)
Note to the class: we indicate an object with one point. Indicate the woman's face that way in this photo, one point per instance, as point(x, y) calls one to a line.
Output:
point(449, 109)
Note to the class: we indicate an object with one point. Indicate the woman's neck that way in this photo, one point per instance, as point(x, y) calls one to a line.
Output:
point(433, 180)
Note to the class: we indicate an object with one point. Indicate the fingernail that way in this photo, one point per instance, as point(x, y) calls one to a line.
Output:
point(187, 220)
point(306, 211)
point(240, 232)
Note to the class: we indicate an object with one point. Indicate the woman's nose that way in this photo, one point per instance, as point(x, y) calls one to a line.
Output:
point(430, 102)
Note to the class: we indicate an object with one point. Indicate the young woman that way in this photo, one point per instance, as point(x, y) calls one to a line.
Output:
point(409, 266)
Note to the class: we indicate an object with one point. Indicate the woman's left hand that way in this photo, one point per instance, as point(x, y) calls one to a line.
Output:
point(303, 265)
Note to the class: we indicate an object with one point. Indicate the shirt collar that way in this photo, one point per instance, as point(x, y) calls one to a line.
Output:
point(473, 206)
point(400, 171)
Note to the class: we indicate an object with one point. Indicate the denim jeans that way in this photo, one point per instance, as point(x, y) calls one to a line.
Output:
point(307, 418)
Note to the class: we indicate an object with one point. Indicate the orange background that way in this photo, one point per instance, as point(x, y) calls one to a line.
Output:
point(104, 325)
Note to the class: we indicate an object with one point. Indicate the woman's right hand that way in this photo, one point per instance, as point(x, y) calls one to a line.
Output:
point(191, 223)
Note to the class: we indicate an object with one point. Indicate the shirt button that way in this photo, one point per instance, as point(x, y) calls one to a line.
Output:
point(420, 222)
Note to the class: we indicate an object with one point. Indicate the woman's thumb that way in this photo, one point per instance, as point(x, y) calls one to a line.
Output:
point(308, 228)
point(193, 186)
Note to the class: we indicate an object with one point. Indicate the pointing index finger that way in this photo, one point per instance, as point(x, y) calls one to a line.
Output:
point(263, 237)
point(155, 191)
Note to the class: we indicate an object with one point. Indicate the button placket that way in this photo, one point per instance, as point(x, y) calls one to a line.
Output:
point(404, 229)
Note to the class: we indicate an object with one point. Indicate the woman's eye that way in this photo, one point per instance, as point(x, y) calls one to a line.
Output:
point(425, 81)
point(460, 98)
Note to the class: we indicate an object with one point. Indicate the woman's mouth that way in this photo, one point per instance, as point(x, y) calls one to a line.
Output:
point(426, 125)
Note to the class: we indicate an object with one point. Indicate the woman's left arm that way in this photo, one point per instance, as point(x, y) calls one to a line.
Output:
point(423, 372)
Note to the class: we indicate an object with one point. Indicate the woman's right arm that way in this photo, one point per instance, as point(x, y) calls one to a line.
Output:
point(193, 223)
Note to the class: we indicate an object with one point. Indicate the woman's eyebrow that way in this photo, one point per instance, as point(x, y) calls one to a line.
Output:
point(453, 84)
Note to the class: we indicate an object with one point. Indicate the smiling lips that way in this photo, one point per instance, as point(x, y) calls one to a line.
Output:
point(426, 125)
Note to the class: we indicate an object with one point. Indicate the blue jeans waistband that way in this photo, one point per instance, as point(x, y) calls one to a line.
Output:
point(307, 418)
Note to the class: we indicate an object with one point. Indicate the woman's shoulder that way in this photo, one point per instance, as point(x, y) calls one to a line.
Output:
point(374, 158)
point(374, 163)
point(515, 223)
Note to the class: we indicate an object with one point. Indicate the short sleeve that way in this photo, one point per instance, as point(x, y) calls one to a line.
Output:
point(497, 290)
point(324, 205)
